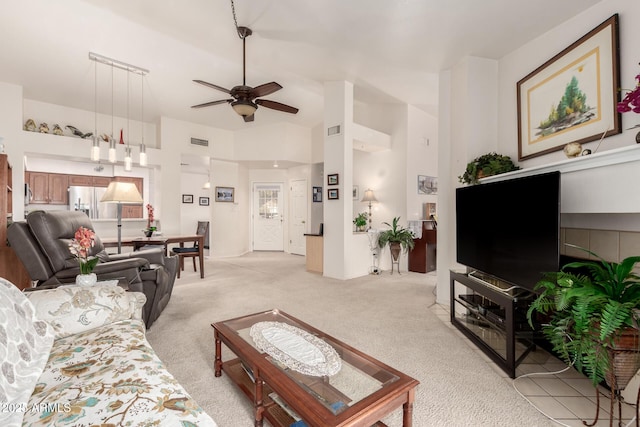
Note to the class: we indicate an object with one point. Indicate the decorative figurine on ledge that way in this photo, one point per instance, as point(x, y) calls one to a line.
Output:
point(44, 128)
point(30, 125)
point(57, 130)
point(78, 132)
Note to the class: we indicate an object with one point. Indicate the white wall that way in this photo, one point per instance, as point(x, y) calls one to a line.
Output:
point(422, 159)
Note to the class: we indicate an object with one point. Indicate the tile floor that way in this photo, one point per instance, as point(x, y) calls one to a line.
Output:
point(567, 397)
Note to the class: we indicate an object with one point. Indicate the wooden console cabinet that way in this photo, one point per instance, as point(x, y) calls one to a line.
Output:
point(422, 258)
point(315, 253)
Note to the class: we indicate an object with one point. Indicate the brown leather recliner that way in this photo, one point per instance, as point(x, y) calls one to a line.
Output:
point(42, 244)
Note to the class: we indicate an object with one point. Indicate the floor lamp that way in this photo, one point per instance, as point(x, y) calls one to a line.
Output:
point(371, 198)
point(121, 192)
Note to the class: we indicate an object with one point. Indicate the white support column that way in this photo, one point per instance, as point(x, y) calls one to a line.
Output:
point(338, 159)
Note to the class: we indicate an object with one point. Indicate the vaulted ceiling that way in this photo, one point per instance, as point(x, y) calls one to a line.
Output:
point(392, 50)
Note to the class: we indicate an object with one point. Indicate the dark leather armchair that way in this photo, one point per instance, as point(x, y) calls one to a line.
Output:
point(42, 244)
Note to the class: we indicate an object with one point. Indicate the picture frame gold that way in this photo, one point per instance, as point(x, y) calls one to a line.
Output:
point(572, 97)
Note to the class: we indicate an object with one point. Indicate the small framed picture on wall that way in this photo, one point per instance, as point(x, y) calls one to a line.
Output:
point(224, 194)
point(203, 201)
point(333, 194)
point(332, 179)
point(317, 194)
point(187, 198)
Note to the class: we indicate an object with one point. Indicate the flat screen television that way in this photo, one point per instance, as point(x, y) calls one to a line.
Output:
point(510, 229)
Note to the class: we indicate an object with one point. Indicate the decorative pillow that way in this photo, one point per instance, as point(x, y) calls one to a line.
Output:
point(25, 343)
point(73, 309)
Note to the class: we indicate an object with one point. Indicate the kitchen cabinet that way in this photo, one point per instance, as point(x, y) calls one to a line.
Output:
point(89, 181)
point(48, 188)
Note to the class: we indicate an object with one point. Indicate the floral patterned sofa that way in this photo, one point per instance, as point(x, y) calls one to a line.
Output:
point(78, 356)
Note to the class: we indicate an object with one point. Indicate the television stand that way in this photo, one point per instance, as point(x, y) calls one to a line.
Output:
point(492, 314)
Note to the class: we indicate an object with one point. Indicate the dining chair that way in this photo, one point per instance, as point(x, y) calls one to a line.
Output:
point(192, 251)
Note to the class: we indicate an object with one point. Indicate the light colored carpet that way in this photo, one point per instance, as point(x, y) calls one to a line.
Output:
point(386, 316)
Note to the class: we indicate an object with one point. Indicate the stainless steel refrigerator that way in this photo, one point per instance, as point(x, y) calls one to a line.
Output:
point(87, 200)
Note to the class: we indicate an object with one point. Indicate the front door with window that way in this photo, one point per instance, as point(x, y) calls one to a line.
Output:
point(268, 220)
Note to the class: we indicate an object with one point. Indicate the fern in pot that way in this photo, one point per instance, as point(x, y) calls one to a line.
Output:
point(593, 312)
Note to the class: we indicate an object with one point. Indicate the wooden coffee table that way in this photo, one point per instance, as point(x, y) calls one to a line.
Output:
point(360, 394)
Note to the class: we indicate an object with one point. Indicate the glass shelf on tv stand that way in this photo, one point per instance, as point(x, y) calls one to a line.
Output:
point(493, 317)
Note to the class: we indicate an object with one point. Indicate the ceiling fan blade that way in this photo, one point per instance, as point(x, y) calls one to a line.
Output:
point(248, 118)
point(208, 104)
point(276, 106)
point(265, 89)
point(211, 85)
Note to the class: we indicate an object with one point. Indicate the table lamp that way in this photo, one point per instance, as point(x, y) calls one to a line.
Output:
point(371, 198)
point(121, 192)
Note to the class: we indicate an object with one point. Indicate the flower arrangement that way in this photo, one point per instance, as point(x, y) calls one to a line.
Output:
point(150, 217)
point(631, 101)
point(83, 241)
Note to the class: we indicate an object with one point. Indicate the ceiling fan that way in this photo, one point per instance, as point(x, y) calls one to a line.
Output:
point(244, 100)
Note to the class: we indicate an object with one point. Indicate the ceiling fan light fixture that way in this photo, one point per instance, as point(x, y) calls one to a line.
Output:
point(244, 107)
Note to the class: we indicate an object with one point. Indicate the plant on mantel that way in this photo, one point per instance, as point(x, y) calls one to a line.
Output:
point(487, 165)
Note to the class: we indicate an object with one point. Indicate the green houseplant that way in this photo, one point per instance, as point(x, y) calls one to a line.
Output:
point(593, 309)
point(487, 165)
point(398, 238)
point(360, 221)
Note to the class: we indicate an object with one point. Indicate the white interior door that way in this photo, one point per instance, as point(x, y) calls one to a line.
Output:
point(298, 217)
point(268, 227)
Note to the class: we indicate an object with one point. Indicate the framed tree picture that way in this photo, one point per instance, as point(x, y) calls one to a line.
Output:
point(572, 97)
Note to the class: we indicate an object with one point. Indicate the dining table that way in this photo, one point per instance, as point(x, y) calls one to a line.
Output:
point(139, 242)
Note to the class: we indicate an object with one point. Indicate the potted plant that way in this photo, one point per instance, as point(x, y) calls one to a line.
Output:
point(80, 247)
point(593, 312)
point(148, 232)
point(361, 221)
point(487, 165)
point(398, 238)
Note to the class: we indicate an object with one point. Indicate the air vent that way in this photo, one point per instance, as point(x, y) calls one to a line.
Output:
point(202, 142)
point(334, 130)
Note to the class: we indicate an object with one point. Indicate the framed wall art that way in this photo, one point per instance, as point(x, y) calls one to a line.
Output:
point(187, 198)
point(332, 179)
point(572, 97)
point(333, 194)
point(317, 194)
point(427, 184)
point(224, 194)
point(203, 201)
point(356, 192)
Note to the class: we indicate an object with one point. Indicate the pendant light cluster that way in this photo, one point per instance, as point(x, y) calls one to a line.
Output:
point(95, 148)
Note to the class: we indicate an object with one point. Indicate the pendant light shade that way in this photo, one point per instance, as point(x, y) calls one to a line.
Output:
point(95, 149)
point(112, 150)
point(143, 155)
point(127, 159)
